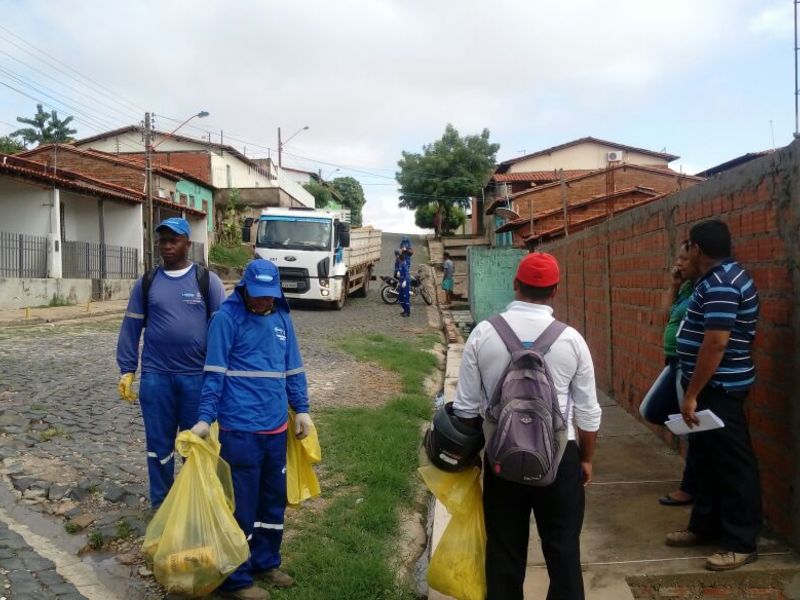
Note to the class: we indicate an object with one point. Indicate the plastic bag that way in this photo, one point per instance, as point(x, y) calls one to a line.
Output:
point(301, 480)
point(193, 539)
point(457, 565)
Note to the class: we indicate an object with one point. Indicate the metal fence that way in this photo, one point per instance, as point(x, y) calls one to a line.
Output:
point(23, 255)
point(88, 260)
point(198, 253)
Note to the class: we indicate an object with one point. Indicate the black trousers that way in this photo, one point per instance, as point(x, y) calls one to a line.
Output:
point(558, 509)
point(728, 500)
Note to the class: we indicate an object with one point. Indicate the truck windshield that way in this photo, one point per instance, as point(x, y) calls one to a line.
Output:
point(295, 233)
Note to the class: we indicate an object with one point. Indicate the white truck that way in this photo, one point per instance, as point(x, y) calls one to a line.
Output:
point(318, 255)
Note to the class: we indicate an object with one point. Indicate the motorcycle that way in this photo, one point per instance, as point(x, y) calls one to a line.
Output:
point(390, 292)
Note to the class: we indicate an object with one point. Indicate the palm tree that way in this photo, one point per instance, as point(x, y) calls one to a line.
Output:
point(45, 128)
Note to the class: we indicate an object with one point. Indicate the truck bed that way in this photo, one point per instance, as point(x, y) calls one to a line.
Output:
point(365, 247)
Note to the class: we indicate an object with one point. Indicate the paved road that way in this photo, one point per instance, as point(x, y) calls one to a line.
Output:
point(66, 437)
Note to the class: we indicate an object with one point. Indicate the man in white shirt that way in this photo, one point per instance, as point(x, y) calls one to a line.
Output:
point(559, 507)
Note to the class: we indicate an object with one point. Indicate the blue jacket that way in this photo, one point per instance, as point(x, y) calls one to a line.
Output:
point(253, 369)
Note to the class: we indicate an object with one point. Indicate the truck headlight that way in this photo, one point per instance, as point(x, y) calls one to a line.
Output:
point(324, 282)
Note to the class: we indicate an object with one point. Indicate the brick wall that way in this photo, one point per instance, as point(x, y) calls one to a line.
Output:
point(614, 274)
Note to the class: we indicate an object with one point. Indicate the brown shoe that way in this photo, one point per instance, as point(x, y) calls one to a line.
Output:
point(278, 578)
point(725, 561)
point(684, 538)
point(249, 593)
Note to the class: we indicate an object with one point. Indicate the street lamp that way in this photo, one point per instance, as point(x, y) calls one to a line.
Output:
point(282, 144)
point(149, 245)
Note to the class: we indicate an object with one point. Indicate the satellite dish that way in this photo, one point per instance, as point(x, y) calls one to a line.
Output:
point(506, 213)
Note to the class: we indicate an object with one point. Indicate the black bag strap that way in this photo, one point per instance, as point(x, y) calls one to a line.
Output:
point(203, 283)
point(548, 337)
point(147, 283)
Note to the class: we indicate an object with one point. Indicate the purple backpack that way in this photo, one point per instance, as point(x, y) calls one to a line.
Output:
point(525, 431)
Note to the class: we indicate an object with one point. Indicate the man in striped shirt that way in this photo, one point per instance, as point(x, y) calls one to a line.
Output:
point(714, 348)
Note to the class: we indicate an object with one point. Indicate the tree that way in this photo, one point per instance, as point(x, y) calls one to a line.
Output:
point(423, 217)
point(321, 192)
point(352, 197)
point(9, 145)
point(447, 172)
point(45, 128)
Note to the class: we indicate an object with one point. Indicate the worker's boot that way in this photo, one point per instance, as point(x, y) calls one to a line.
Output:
point(249, 593)
point(278, 578)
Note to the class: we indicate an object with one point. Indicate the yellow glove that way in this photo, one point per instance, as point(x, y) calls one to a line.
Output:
point(124, 387)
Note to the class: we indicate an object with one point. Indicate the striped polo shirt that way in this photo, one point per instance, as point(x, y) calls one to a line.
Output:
point(725, 299)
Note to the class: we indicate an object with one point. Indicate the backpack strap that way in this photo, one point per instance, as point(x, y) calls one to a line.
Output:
point(147, 282)
point(506, 334)
point(203, 282)
point(548, 337)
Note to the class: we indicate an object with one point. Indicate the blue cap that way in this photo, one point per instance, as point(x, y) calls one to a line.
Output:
point(176, 225)
point(261, 278)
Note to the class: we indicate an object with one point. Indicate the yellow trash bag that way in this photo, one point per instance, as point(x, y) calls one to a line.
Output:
point(193, 539)
point(301, 481)
point(457, 565)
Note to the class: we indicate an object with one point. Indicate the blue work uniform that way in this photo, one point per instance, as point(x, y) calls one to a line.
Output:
point(408, 250)
point(404, 288)
point(253, 373)
point(172, 363)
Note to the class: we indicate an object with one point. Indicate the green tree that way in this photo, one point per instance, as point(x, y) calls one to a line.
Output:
point(423, 217)
point(229, 233)
point(321, 192)
point(352, 197)
point(447, 172)
point(44, 128)
point(9, 145)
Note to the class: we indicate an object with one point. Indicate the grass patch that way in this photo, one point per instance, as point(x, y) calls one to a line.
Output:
point(96, 540)
point(50, 433)
point(71, 527)
point(230, 256)
point(124, 530)
point(345, 552)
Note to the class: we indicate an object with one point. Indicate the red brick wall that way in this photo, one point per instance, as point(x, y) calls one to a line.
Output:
point(627, 258)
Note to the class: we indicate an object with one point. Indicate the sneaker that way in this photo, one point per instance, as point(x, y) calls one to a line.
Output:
point(684, 538)
point(249, 593)
point(278, 578)
point(725, 561)
point(405, 314)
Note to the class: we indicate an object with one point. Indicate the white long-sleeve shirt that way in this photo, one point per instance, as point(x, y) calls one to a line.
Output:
point(485, 360)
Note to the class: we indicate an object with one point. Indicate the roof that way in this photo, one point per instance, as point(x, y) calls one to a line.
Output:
point(77, 182)
point(537, 176)
point(503, 166)
point(176, 136)
point(733, 163)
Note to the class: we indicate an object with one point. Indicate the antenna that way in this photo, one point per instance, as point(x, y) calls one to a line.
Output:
point(772, 131)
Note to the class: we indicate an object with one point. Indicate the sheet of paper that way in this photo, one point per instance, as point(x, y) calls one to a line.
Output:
point(708, 421)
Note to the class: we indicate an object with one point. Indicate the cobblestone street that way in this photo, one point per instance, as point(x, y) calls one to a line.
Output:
point(70, 447)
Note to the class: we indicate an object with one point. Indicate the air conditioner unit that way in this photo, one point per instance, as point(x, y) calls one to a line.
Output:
point(614, 156)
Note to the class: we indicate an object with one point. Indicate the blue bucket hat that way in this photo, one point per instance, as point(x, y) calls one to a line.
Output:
point(261, 278)
point(176, 225)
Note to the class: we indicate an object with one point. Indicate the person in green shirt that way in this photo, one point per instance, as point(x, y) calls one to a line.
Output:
point(664, 396)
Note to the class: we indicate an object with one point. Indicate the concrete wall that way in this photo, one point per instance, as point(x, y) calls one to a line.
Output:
point(491, 279)
point(242, 175)
point(123, 224)
point(589, 155)
point(81, 218)
point(613, 275)
point(22, 293)
point(24, 207)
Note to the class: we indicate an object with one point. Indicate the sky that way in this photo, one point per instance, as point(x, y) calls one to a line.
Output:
point(708, 80)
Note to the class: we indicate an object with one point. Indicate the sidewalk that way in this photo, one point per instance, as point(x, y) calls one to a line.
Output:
point(16, 317)
point(624, 526)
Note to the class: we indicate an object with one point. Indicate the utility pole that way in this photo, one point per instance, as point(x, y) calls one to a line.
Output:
point(796, 83)
point(149, 245)
point(280, 148)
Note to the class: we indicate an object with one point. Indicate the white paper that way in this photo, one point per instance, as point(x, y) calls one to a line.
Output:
point(708, 420)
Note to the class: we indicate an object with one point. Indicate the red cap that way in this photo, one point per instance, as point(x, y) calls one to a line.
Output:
point(538, 269)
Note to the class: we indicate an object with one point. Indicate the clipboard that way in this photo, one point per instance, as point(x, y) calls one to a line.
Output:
point(708, 421)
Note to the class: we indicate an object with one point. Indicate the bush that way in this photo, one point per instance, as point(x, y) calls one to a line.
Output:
point(230, 255)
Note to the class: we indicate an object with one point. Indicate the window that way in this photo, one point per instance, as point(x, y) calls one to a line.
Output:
point(191, 201)
point(172, 196)
point(184, 200)
point(205, 206)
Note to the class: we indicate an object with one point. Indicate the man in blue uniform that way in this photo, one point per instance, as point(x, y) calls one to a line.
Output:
point(404, 290)
point(173, 303)
point(253, 373)
point(407, 250)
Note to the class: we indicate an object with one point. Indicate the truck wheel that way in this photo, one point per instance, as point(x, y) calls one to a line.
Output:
point(339, 304)
point(364, 289)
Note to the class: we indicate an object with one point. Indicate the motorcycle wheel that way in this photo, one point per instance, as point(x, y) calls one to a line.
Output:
point(389, 294)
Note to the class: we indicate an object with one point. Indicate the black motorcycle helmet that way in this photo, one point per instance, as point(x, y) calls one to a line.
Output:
point(451, 445)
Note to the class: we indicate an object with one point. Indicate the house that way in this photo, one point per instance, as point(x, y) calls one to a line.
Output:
point(69, 235)
point(175, 185)
point(547, 167)
point(733, 163)
point(220, 165)
point(539, 212)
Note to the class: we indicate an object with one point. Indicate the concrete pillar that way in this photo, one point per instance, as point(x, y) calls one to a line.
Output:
point(54, 254)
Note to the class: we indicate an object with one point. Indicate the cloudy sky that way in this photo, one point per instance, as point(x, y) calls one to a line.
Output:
point(705, 79)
